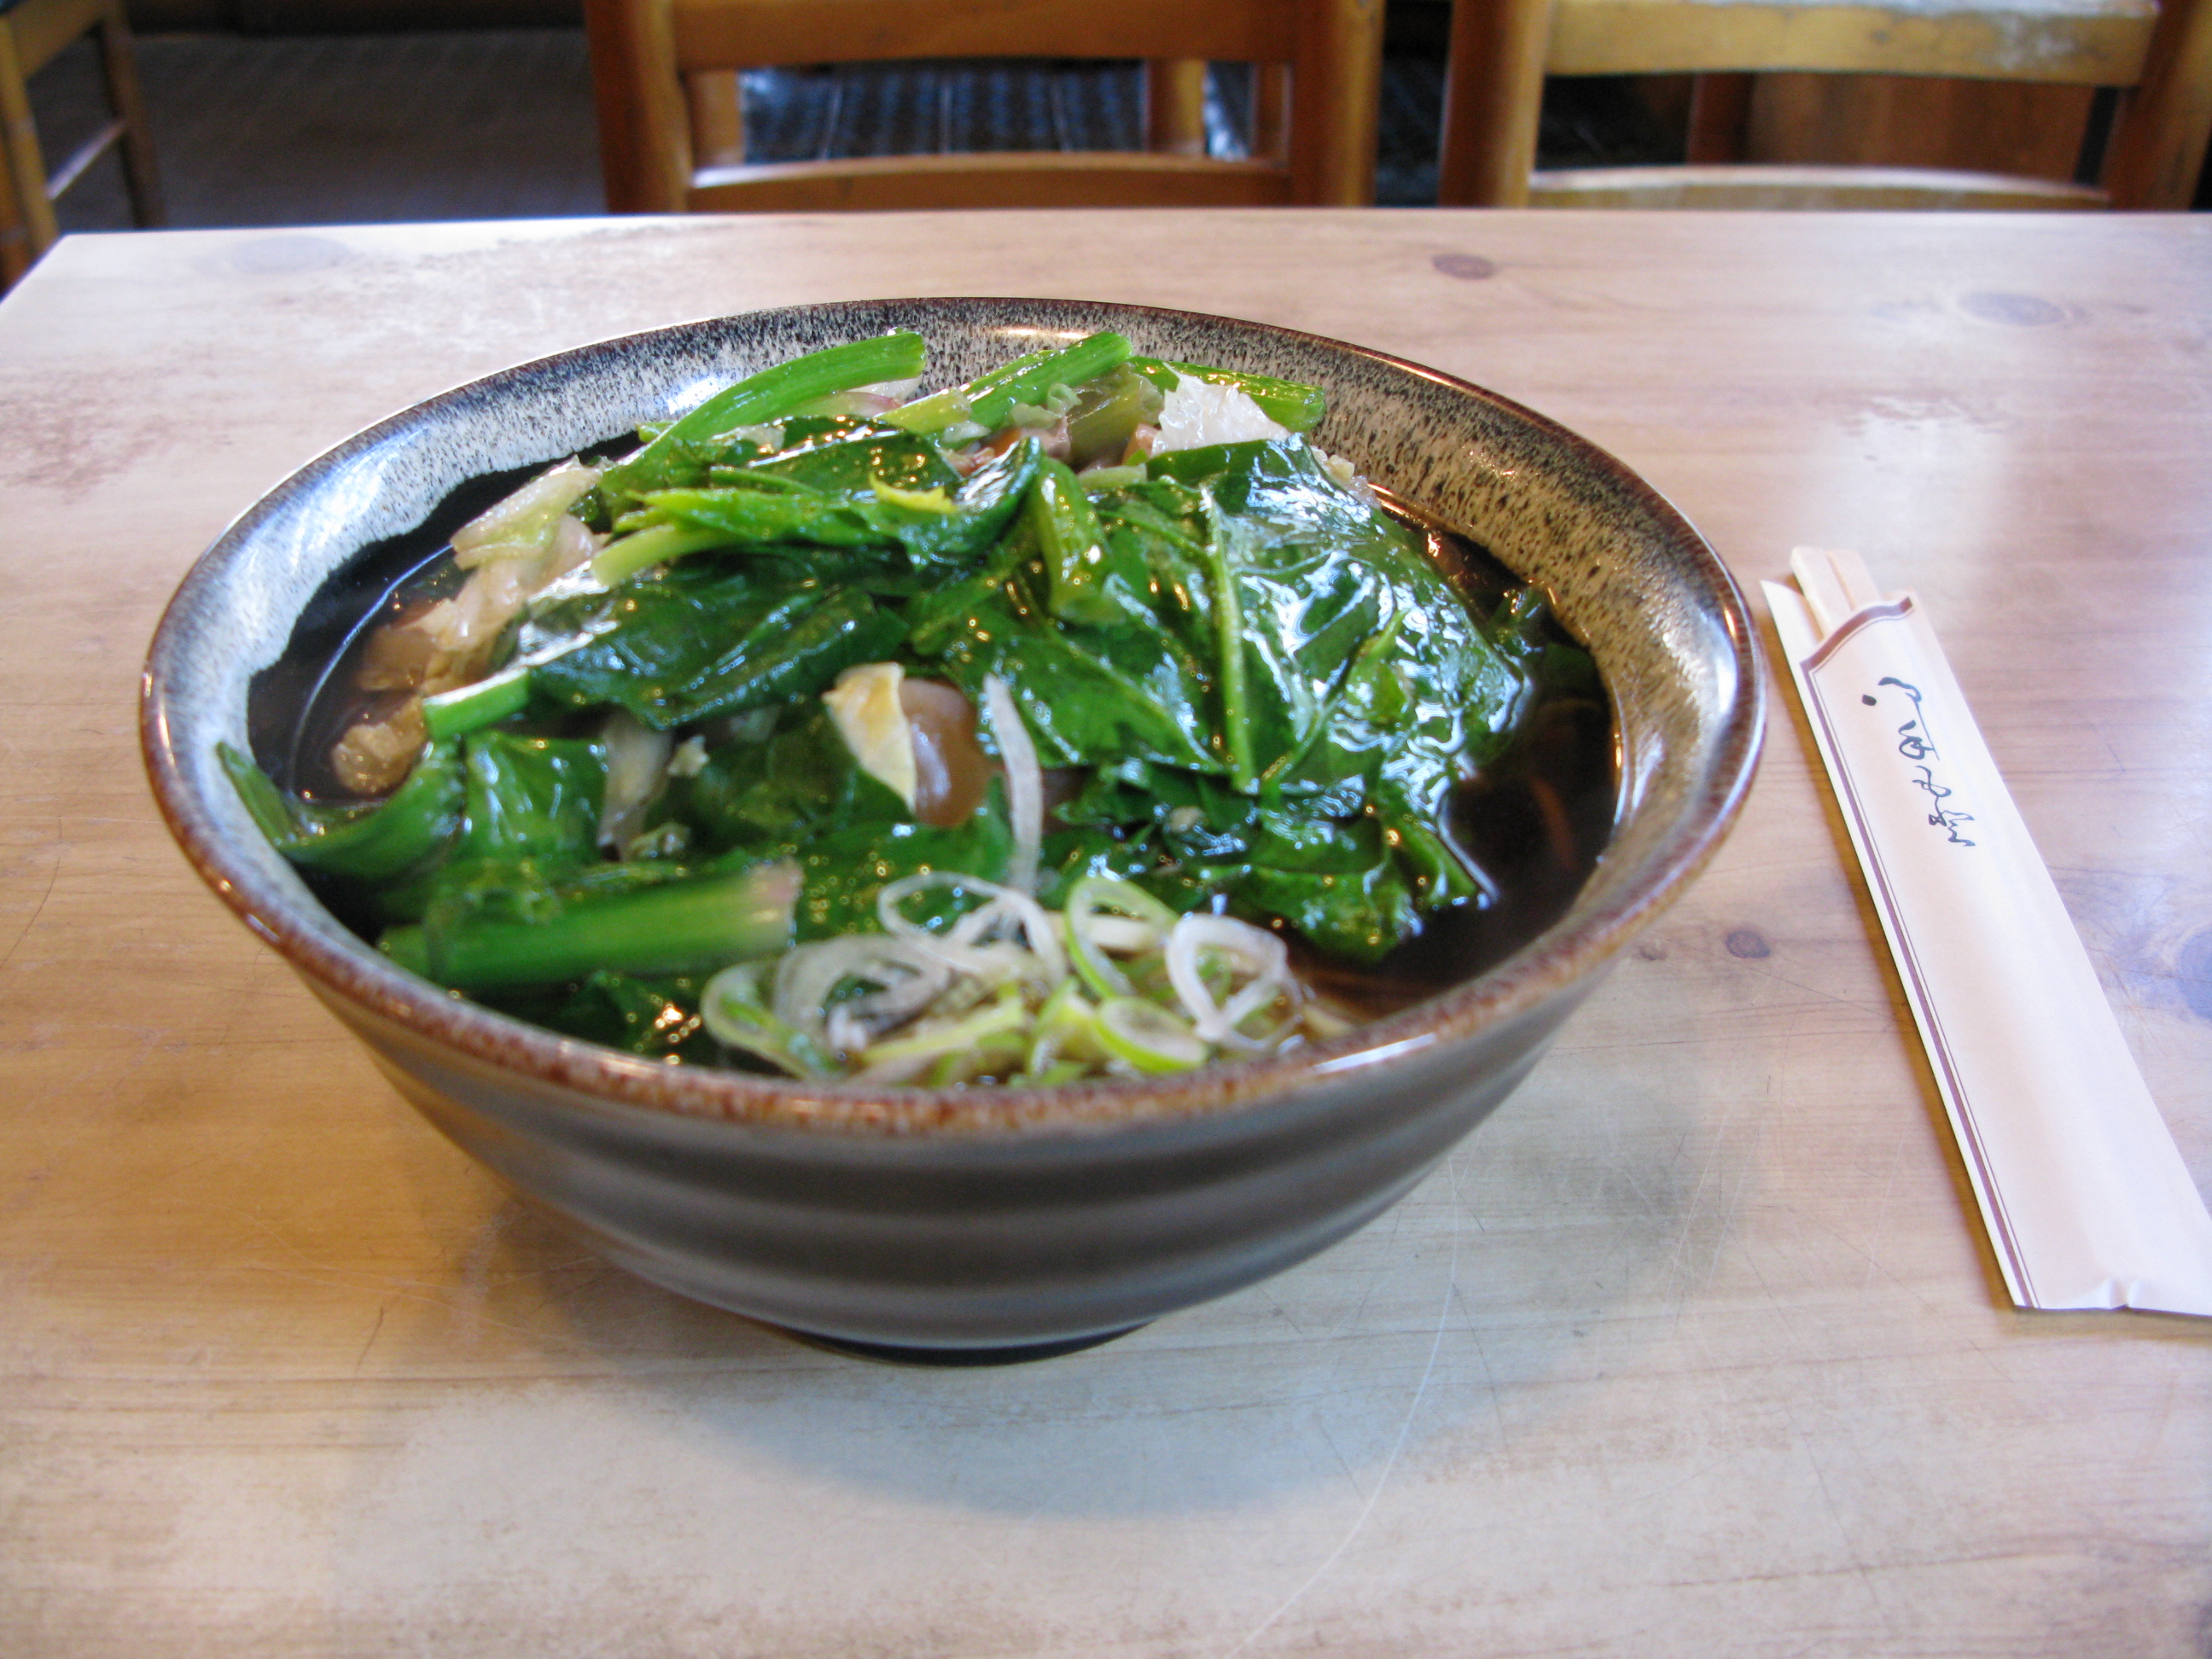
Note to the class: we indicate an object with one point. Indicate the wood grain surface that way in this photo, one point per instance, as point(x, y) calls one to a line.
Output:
point(1694, 1349)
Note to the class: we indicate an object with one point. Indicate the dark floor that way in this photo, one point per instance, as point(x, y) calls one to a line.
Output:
point(497, 124)
point(339, 130)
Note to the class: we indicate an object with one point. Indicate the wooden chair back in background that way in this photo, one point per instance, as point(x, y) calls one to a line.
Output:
point(670, 139)
point(1502, 49)
point(33, 34)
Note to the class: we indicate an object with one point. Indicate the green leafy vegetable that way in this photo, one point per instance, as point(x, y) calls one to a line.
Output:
point(366, 842)
point(702, 640)
point(673, 926)
point(682, 449)
point(987, 401)
point(1261, 692)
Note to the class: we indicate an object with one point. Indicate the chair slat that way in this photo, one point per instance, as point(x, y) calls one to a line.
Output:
point(1771, 187)
point(1038, 179)
point(2099, 47)
point(760, 34)
point(108, 136)
point(1175, 106)
point(1317, 78)
point(44, 31)
point(1502, 51)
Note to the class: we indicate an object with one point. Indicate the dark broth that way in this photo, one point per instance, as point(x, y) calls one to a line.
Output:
point(1535, 822)
point(299, 707)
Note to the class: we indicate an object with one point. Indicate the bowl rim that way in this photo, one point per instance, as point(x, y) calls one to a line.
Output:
point(344, 969)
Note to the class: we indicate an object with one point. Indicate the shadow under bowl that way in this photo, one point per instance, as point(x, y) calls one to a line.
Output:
point(970, 1221)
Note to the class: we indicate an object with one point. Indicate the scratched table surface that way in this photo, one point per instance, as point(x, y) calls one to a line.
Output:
point(1695, 1348)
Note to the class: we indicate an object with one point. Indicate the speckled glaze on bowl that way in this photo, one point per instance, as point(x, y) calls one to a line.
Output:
point(975, 1221)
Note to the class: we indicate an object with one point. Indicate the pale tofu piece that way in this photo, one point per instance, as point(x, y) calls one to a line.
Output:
point(865, 709)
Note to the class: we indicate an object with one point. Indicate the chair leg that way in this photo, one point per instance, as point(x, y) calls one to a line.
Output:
point(718, 117)
point(645, 129)
point(29, 230)
point(1493, 96)
point(1720, 112)
point(14, 232)
point(2158, 144)
point(119, 64)
point(1175, 106)
point(1271, 110)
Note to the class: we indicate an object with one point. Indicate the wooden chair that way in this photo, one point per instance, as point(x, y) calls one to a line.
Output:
point(663, 73)
point(33, 34)
point(1502, 49)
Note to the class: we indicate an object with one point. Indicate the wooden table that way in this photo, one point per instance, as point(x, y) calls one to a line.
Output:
point(1694, 1349)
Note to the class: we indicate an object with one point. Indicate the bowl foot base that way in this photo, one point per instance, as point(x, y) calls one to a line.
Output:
point(1014, 1354)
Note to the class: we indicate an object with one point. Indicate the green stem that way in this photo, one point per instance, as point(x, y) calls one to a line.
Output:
point(1001, 1018)
point(265, 802)
point(1074, 543)
point(472, 707)
point(990, 399)
point(1228, 630)
point(770, 395)
point(677, 927)
point(625, 556)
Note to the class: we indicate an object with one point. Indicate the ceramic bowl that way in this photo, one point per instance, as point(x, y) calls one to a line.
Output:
point(979, 1223)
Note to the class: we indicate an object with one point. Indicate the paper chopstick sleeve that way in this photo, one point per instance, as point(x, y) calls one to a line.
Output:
point(2086, 1199)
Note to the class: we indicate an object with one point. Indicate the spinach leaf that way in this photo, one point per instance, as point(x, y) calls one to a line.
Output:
point(1363, 658)
point(1133, 679)
point(844, 870)
point(848, 461)
point(1088, 694)
point(709, 637)
point(367, 842)
point(1350, 880)
point(889, 496)
point(531, 814)
point(1242, 611)
point(532, 797)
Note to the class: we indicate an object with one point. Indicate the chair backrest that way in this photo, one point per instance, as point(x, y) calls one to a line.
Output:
point(663, 77)
point(1501, 50)
point(33, 34)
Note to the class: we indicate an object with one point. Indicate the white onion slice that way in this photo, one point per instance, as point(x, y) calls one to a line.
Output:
point(1095, 933)
point(572, 544)
point(909, 982)
point(1024, 782)
point(1123, 935)
point(971, 945)
point(1147, 1037)
point(1252, 951)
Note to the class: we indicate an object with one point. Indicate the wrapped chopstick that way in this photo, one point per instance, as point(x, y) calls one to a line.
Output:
point(2085, 1199)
